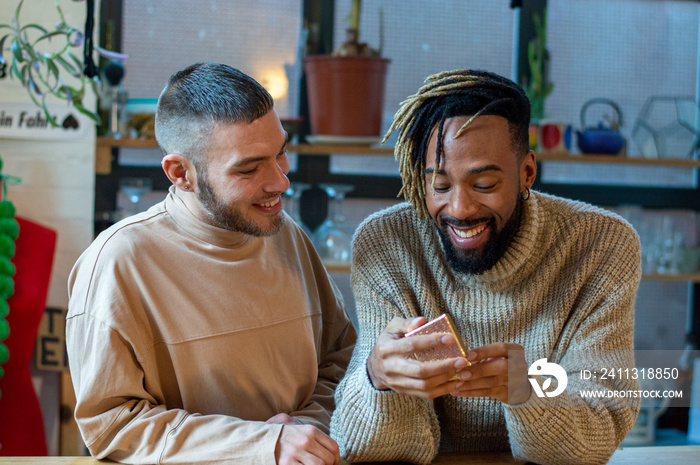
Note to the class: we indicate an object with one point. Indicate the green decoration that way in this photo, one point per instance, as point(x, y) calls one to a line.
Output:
point(538, 87)
point(9, 230)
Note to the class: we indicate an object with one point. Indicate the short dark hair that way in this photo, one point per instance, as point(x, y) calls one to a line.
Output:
point(201, 96)
point(446, 95)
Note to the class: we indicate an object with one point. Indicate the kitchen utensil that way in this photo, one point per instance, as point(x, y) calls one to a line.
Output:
point(601, 139)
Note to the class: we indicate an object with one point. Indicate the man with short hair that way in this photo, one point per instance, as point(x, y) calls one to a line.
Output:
point(206, 329)
point(526, 277)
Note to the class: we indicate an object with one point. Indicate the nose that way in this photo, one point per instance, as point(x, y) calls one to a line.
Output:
point(462, 204)
point(278, 181)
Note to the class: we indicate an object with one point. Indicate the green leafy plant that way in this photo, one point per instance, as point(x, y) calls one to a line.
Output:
point(537, 86)
point(41, 57)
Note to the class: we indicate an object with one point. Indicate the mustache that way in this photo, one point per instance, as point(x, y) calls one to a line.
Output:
point(452, 221)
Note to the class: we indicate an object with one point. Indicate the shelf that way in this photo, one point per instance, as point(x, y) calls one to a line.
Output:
point(105, 144)
point(104, 158)
point(680, 277)
point(103, 150)
point(675, 162)
point(128, 142)
point(334, 266)
point(341, 149)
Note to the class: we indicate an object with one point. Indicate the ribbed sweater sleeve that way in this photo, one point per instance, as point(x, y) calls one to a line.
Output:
point(373, 425)
point(568, 429)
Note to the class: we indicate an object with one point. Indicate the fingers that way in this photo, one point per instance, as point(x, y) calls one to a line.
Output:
point(410, 367)
point(392, 364)
point(491, 367)
point(307, 445)
point(499, 349)
point(403, 325)
point(423, 379)
point(407, 346)
point(491, 371)
point(429, 388)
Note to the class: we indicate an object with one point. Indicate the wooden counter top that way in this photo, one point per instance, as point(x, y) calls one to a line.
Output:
point(678, 455)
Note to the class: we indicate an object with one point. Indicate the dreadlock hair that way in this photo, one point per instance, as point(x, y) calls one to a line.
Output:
point(446, 95)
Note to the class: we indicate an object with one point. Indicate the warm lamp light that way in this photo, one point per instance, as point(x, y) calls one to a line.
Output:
point(276, 84)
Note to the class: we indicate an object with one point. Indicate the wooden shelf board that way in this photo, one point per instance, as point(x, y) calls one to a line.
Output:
point(337, 266)
point(681, 277)
point(325, 149)
point(678, 162)
point(128, 142)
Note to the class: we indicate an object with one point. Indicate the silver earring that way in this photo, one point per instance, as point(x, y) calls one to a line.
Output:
point(525, 195)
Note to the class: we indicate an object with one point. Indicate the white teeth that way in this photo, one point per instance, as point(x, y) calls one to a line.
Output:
point(271, 204)
point(470, 232)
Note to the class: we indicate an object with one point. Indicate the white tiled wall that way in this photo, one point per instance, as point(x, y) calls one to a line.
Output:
point(259, 37)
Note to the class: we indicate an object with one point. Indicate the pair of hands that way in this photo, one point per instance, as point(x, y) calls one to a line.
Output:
point(391, 365)
point(304, 444)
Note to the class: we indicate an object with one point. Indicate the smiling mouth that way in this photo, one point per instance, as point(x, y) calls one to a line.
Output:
point(271, 203)
point(467, 233)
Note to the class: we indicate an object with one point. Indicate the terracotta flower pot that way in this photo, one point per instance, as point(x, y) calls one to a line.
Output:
point(346, 94)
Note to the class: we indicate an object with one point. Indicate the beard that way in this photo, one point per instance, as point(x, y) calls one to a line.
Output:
point(474, 261)
point(231, 218)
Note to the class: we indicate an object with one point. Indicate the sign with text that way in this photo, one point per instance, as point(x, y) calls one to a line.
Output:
point(51, 341)
point(27, 121)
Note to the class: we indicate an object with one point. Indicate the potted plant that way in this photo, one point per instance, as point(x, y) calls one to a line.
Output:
point(537, 86)
point(346, 88)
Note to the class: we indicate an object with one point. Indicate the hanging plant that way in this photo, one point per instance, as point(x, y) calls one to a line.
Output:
point(40, 58)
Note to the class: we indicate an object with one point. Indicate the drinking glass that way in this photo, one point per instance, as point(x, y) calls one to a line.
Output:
point(292, 203)
point(134, 189)
point(332, 241)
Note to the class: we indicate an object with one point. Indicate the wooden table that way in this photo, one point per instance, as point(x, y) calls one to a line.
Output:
point(677, 455)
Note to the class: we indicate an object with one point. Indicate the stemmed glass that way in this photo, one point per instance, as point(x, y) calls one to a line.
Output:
point(331, 240)
point(292, 204)
point(134, 189)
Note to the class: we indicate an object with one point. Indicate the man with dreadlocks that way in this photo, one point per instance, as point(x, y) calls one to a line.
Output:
point(527, 277)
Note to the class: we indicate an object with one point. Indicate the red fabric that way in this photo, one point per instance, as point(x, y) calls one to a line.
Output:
point(21, 422)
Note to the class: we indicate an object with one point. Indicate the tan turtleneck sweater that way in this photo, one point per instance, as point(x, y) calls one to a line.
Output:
point(564, 290)
point(183, 338)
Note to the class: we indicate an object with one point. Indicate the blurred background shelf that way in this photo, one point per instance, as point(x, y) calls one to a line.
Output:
point(106, 144)
point(678, 277)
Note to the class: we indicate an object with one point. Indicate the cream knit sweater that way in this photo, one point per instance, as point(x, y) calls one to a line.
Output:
point(564, 290)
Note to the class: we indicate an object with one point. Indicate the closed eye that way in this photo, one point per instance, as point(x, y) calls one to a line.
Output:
point(485, 188)
point(251, 171)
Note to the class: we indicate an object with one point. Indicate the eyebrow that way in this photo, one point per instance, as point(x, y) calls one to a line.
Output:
point(478, 170)
point(251, 160)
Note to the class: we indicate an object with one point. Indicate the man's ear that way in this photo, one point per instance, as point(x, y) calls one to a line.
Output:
point(180, 170)
point(528, 171)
